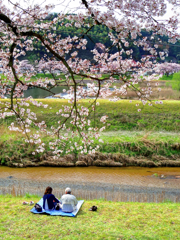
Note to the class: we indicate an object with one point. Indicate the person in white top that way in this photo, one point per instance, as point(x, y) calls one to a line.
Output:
point(68, 201)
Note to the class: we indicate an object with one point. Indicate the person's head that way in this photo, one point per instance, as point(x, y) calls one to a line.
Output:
point(67, 190)
point(48, 190)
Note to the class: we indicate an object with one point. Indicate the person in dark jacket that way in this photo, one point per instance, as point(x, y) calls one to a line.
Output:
point(49, 200)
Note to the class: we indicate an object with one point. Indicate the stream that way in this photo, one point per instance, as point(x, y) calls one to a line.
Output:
point(134, 184)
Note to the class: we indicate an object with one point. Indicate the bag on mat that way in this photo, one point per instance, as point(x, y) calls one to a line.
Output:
point(38, 207)
point(57, 207)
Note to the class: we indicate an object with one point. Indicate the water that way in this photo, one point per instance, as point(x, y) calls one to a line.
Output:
point(166, 92)
point(115, 184)
point(40, 93)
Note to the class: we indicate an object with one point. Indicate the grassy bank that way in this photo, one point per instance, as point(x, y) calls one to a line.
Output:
point(154, 146)
point(122, 115)
point(156, 149)
point(113, 220)
point(152, 133)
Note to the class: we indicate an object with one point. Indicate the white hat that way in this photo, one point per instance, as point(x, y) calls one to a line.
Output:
point(67, 190)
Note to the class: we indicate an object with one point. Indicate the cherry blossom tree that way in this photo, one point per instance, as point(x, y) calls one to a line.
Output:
point(25, 67)
point(22, 27)
point(167, 68)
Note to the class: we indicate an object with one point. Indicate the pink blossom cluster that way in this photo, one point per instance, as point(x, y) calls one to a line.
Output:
point(167, 68)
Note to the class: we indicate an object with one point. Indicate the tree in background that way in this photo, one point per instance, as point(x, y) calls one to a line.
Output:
point(167, 68)
point(22, 27)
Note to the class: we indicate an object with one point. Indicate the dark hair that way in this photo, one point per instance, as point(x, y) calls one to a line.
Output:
point(48, 190)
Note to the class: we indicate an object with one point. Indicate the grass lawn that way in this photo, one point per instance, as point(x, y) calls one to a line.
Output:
point(113, 220)
point(154, 130)
point(122, 115)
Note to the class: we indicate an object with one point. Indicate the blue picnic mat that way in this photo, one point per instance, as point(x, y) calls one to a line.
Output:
point(58, 212)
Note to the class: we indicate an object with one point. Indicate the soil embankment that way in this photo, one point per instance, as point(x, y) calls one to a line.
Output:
point(97, 159)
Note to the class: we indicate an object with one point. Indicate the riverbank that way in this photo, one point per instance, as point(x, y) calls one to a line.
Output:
point(131, 139)
point(97, 159)
point(119, 149)
point(113, 220)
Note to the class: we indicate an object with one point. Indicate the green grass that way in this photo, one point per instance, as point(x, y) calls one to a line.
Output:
point(173, 80)
point(130, 143)
point(175, 76)
point(42, 76)
point(165, 77)
point(174, 84)
point(122, 115)
point(49, 76)
point(135, 136)
point(140, 143)
point(113, 220)
point(154, 130)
